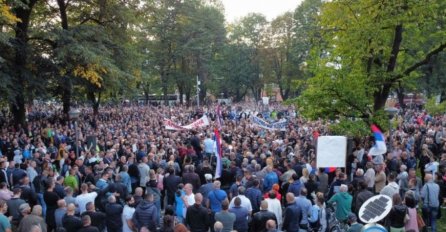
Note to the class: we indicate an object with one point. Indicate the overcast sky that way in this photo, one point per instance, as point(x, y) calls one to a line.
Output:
point(235, 9)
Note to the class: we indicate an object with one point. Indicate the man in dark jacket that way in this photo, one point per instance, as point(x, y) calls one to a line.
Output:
point(97, 219)
point(190, 177)
point(292, 215)
point(255, 196)
point(197, 217)
point(260, 218)
point(171, 183)
point(295, 186)
point(113, 212)
point(363, 195)
point(146, 214)
point(70, 222)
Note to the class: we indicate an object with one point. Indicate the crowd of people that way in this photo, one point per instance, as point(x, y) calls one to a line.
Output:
point(121, 170)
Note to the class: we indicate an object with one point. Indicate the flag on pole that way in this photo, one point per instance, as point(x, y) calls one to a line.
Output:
point(380, 145)
point(218, 153)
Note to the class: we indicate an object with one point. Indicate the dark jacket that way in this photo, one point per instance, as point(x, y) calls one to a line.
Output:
point(361, 197)
point(193, 179)
point(197, 218)
point(71, 223)
point(258, 223)
point(255, 196)
point(292, 217)
point(89, 229)
point(97, 219)
point(397, 215)
point(171, 184)
point(146, 214)
point(295, 187)
point(113, 221)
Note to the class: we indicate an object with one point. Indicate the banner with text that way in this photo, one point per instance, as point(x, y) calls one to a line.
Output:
point(269, 126)
point(202, 122)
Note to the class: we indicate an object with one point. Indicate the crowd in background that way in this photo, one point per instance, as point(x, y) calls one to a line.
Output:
point(126, 172)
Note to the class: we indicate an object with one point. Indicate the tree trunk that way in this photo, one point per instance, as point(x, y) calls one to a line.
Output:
point(400, 94)
point(66, 96)
point(17, 107)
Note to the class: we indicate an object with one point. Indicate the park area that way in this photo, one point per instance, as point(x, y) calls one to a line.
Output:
point(222, 115)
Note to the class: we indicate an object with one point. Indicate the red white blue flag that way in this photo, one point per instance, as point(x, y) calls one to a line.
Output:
point(218, 153)
point(380, 144)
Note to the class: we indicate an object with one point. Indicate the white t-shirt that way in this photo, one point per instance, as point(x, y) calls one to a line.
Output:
point(127, 214)
point(245, 202)
point(82, 200)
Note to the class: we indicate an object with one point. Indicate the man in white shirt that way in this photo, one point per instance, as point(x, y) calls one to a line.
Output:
point(188, 198)
point(246, 203)
point(85, 197)
point(144, 170)
point(274, 206)
point(369, 176)
point(127, 215)
point(392, 187)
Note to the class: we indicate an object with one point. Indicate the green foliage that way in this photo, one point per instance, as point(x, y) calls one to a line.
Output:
point(365, 50)
point(435, 109)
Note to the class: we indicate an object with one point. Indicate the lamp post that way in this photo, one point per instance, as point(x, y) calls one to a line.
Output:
point(198, 92)
point(74, 115)
point(391, 111)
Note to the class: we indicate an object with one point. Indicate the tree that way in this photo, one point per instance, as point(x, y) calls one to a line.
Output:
point(367, 48)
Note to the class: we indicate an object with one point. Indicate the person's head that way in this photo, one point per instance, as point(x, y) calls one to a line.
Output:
point(343, 188)
point(25, 209)
point(111, 199)
point(218, 226)
point(428, 177)
point(198, 198)
point(396, 199)
point(3, 206)
point(71, 209)
point(237, 201)
point(37, 210)
point(272, 194)
point(294, 177)
point(84, 188)
point(303, 192)
point(208, 177)
point(86, 220)
point(144, 229)
point(149, 197)
point(129, 200)
point(138, 191)
point(17, 191)
point(352, 218)
point(391, 177)
point(360, 172)
point(241, 190)
point(225, 205)
point(320, 199)
point(188, 188)
point(217, 184)
point(289, 198)
point(264, 205)
point(61, 203)
point(90, 207)
point(68, 191)
point(271, 225)
point(256, 183)
point(60, 179)
point(36, 228)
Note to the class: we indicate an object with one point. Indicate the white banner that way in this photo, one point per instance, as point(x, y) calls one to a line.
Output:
point(331, 151)
point(202, 122)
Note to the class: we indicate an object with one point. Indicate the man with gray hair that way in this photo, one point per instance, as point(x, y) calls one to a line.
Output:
point(35, 218)
point(245, 202)
point(429, 194)
point(343, 202)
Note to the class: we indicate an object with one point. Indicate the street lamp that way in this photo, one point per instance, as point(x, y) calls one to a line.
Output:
point(74, 115)
point(391, 111)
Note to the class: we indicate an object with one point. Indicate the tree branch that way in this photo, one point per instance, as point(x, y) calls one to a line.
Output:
point(50, 42)
point(421, 62)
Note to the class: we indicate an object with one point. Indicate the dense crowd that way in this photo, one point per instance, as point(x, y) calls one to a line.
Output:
point(128, 173)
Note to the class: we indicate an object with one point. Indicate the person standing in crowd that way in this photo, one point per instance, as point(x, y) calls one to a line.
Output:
point(216, 197)
point(354, 225)
point(205, 189)
point(292, 215)
point(98, 219)
point(275, 206)
point(259, 219)
point(127, 214)
point(255, 196)
point(51, 198)
point(241, 216)
point(86, 225)
point(70, 222)
point(270, 179)
point(392, 187)
point(197, 217)
point(5, 224)
point(190, 177)
point(362, 195)
point(144, 171)
point(35, 218)
point(305, 205)
point(225, 217)
point(295, 185)
point(146, 214)
point(245, 202)
point(171, 182)
point(343, 202)
point(60, 212)
point(398, 214)
point(85, 197)
point(430, 195)
point(113, 212)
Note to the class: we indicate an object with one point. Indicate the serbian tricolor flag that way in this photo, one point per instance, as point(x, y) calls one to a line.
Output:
point(217, 152)
point(380, 145)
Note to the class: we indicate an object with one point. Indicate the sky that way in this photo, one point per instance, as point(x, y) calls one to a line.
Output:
point(236, 9)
